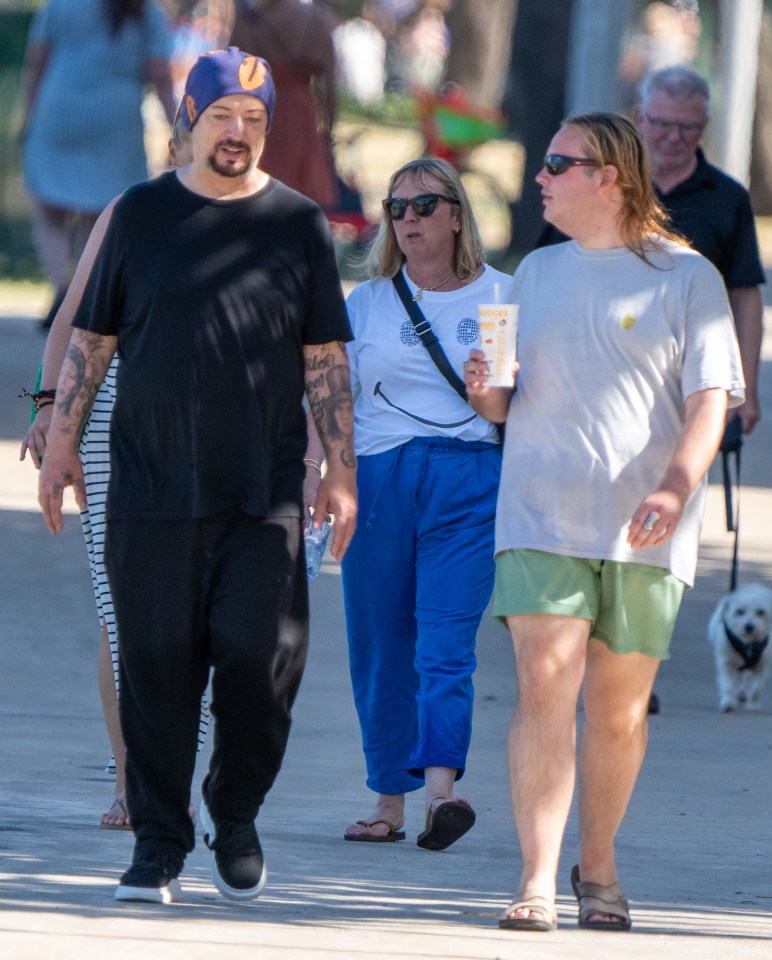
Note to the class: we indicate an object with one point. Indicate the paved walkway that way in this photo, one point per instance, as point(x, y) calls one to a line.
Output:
point(694, 852)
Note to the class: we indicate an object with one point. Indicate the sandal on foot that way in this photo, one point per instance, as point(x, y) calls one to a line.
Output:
point(543, 915)
point(451, 820)
point(392, 836)
point(595, 898)
point(119, 810)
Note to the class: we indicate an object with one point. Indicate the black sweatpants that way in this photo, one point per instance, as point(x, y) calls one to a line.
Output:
point(227, 592)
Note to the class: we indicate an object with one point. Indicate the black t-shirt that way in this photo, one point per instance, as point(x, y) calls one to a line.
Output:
point(713, 212)
point(212, 302)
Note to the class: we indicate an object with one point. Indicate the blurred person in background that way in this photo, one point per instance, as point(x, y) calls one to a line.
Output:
point(424, 45)
point(296, 39)
point(360, 53)
point(198, 26)
point(86, 68)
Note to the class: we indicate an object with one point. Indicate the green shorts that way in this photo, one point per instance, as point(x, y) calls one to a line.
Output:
point(632, 607)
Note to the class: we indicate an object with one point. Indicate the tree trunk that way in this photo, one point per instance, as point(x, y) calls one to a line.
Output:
point(480, 44)
point(761, 155)
point(598, 30)
point(732, 116)
point(535, 101)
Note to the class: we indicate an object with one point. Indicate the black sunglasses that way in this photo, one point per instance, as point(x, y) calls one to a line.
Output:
point(424, 205)
point(555, 163)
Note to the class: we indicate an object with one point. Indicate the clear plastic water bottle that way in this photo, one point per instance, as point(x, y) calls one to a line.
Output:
point(315, 542)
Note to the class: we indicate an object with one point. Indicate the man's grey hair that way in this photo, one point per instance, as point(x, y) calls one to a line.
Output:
point(679, 82)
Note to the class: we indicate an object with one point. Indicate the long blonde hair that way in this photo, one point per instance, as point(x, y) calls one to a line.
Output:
point(613, 140)
point(384, 257)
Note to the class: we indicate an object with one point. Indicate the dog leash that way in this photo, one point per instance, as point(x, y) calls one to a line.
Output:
point(731, 443)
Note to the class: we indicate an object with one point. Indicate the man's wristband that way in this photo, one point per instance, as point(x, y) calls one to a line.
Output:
point(313, 463)
point(41, 398)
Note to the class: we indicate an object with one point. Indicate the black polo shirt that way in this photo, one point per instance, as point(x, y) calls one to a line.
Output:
point(713, 212)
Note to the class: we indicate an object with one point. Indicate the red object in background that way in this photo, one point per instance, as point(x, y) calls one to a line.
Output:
point(451, 125)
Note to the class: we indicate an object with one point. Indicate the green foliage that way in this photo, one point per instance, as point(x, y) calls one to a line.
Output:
point(17, 256)
point(20, 6)
point(394, 110)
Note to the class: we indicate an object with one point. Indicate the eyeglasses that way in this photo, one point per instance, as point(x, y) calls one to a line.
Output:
point(424, 205)
point(556, 164)
point(666, 126)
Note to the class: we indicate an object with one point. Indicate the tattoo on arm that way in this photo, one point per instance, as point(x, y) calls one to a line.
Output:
point(328, 386)
point(84, 369)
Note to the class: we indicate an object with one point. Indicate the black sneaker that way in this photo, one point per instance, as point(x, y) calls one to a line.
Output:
point(151, 880)
point(238, 869)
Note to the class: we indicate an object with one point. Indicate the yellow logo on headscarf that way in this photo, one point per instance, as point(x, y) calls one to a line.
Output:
point(190, 109)
point(251, 73)
point(628, 321)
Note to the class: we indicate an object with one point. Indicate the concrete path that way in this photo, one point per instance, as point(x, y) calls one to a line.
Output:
point(694, 851)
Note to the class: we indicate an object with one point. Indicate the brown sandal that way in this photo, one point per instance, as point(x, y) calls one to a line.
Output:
point(543, 915)
point(117, 809)
point(594, 898)
point(392, 836)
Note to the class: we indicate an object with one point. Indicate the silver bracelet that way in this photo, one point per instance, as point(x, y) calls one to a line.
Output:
point(313, 463)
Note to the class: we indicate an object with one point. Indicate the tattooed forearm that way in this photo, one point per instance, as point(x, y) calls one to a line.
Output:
point(328, 386)
point(74, 369)
point(83, 370)
point(323, 357)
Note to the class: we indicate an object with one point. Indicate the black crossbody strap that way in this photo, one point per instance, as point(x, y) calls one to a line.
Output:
point(426, 335)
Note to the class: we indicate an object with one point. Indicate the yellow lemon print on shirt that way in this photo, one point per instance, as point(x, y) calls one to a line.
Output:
point(251, 73)
point(628, 321)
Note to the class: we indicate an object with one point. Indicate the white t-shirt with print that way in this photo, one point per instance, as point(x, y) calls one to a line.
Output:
point(398, 391)
point(609, 348)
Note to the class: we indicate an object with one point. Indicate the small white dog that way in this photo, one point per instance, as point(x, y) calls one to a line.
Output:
point(739, 631)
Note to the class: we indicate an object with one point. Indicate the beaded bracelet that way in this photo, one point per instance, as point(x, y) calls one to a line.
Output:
point(40, 399)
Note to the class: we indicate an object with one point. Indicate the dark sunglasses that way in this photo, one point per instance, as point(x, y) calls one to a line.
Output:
point(424, 205)
point(555, 163)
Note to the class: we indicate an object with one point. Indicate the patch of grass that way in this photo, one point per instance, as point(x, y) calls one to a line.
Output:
point(26, 296)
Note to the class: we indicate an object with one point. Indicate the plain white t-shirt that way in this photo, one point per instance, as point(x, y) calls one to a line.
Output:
point(609, 348)
point(398, 391)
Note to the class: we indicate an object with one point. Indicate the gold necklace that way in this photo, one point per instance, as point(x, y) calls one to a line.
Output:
point(418, 295)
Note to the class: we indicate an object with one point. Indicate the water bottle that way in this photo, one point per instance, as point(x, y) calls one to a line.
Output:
point(315, 542)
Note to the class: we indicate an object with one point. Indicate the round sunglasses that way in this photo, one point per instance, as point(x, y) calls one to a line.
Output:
point(556, 163)
point(424, 205)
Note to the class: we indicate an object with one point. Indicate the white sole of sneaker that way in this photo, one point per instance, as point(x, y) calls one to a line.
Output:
point(171, 893)
point(231, 893)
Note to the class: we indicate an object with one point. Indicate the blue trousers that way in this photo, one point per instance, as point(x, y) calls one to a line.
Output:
point(417, 578)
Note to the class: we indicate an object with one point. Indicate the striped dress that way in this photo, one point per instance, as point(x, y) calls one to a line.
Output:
point(95, 457)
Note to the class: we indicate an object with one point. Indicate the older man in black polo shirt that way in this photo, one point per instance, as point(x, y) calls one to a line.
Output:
point(709, 208)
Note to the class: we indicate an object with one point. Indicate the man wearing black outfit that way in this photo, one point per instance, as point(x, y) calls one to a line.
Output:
point(710, 209)
point(218, 287)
